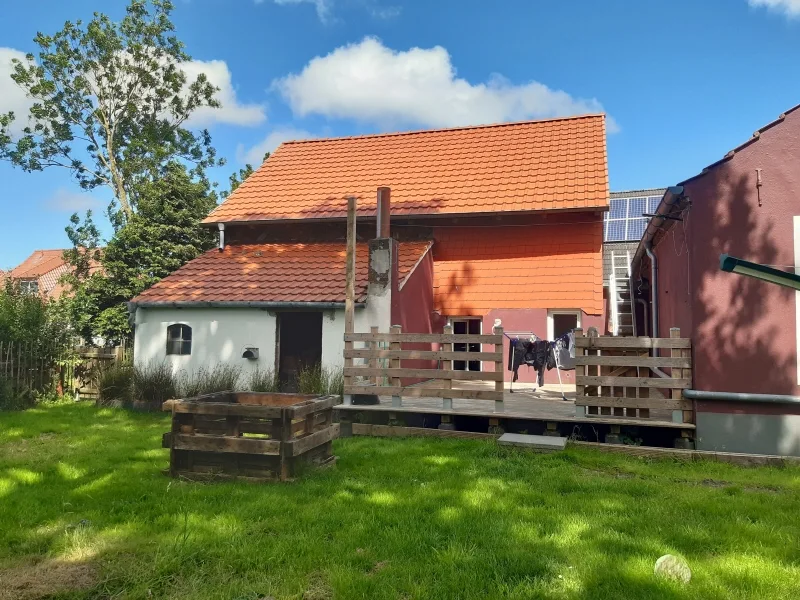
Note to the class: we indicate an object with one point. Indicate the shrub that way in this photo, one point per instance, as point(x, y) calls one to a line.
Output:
point(263, 380)
point(320, 381)
point(115, 384)
point(221, 378)
point(154, 383)
point(15, 397)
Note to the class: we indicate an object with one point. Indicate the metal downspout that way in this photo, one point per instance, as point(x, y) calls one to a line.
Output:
point(648, 248)
point(740, 397)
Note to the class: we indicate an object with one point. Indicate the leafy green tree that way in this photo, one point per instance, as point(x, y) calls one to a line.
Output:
point(27, 318)
point(160, 237)
point(111, 102)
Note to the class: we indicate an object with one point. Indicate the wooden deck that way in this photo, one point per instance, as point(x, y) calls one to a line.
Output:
point(543, 404)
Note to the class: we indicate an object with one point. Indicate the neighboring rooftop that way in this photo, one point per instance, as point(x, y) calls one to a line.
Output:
point(313, 272)
point(41, 272)
point(553, 164)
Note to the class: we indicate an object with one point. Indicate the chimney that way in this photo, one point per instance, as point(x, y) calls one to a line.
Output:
point(382, 263)
point(384, 213)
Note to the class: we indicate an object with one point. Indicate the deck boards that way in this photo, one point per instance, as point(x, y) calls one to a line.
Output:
point(544, 404)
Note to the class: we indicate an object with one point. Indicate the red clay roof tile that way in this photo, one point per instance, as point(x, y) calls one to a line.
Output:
point(313, 272)
point(494, 168)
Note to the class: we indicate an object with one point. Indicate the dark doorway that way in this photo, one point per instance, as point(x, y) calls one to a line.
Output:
point(299, 345)
point(464, 326)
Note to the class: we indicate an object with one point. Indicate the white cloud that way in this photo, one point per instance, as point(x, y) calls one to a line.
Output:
point(68, 201)
point(276, 137)
point(232, 112)
point(324, 7)
point(12, 97)
point(791, 8)
point(371, 83)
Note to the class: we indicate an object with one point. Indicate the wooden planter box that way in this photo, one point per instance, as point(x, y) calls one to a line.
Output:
point(250, 436)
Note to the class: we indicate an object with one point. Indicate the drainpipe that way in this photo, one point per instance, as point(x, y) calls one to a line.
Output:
point(648, 248)
point(645, 316)
point(740, 397)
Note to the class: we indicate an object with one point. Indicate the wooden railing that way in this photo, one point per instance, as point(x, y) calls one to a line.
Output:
point(382, 369)
point(618, 377)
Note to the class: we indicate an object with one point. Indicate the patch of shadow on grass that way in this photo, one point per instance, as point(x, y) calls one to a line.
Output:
point(32, 581)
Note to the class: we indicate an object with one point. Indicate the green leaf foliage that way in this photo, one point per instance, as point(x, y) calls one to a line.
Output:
point(163, 235)
point(111, 102)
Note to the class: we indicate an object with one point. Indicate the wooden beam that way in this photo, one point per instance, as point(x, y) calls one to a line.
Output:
point(304, 444)
point(616, 401)
point(217, 443)
point(225, 409)
point(424, 355)
point(432, 338)
point(425, 374)
point(423, 392)
point(633, 382)
point(612, 342)
point(633, 361)
point(393, 431)
point(350, 265)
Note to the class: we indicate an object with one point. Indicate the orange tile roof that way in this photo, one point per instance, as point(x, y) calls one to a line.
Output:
point(535, 165)
point(313, 272)
point(39, 263)
point(553, 266)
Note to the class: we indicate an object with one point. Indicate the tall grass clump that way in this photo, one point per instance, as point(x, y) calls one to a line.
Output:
point(321, 381)
point(115, 384)
point(154, 383)
point(263, 380)
point(221, 378)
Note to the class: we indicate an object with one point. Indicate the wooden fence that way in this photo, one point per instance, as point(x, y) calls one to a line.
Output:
point(57, 367)
point(619, 377)
point(381, 370)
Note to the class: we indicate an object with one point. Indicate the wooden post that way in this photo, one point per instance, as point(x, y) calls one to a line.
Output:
point(580, 371)
point(350, 288)
point(374, 347)
point(499, 405)
point(677, 393)
point(397, 401)
point(447, 365)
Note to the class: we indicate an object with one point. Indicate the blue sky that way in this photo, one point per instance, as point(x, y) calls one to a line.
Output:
point(683, 80)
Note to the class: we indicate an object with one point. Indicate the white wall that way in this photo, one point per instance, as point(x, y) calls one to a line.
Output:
point(219, 335)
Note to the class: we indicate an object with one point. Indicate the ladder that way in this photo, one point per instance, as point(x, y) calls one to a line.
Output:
point(620, 297)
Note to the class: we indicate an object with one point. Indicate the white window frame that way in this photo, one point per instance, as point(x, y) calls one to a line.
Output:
point(550, 313)
point(29, 286)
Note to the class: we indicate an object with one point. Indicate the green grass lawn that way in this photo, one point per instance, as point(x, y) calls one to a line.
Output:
point(86, 513)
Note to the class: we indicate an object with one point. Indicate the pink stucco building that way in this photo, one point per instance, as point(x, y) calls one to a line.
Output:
point(745, 332)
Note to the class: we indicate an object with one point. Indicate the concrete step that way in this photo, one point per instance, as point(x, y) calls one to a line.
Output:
point(542, 443)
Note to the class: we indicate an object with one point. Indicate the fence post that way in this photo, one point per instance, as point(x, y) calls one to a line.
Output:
point(499, 405)
point(397, 401)
point(347, 399)
point(677, 393)
point(580, 372)
point(373, 361)
point(447, 365)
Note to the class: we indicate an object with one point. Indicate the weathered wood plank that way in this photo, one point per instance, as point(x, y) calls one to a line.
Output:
point(633, 382)
point(218, 443)
point(422, 392)
point(633, 361)
point(432, 338)
point(322, 403)
point(392, 431)
point(306, 443)
point(652, 403)
point(423, 355)
point(426, 374)
point(224, 409)
point(611, 342)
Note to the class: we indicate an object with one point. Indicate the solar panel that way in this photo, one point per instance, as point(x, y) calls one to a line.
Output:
point(624, 222)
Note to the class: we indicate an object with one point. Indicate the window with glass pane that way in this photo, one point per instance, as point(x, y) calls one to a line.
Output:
point(179, 339)
point(30, 286)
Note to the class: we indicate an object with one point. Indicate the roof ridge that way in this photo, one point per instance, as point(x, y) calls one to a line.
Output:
point(445, 129)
